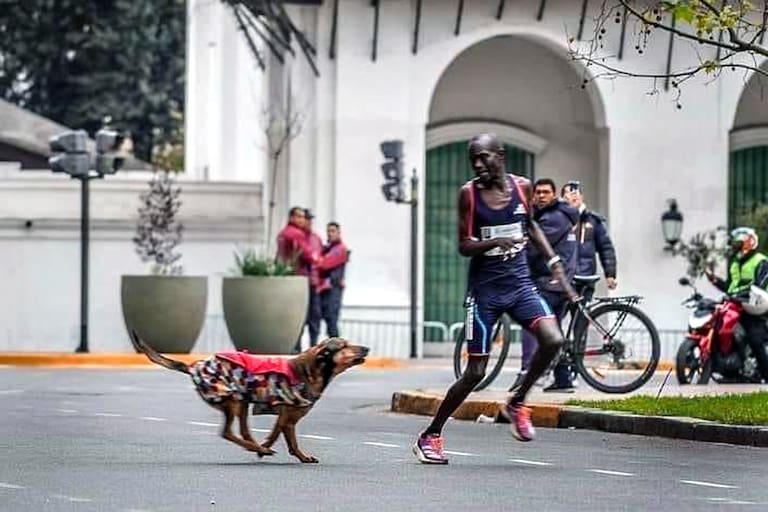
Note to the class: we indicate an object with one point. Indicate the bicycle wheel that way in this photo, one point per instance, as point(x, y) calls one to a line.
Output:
point(618, 350)
point(501, 337)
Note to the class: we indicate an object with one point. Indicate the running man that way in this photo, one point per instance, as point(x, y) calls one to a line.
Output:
point(495, 224)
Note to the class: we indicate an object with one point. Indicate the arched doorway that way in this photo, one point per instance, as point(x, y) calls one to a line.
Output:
point(748, 162)
point(530, 96)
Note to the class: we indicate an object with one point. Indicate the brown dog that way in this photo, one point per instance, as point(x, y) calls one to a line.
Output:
point(288, 387)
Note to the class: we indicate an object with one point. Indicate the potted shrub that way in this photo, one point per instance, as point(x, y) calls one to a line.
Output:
point(265, 304)
point(165, 308)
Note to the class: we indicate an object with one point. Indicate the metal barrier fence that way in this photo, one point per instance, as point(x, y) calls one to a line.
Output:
point(391, 338)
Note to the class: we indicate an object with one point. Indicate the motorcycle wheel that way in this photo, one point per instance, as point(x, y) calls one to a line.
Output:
point(688, 366)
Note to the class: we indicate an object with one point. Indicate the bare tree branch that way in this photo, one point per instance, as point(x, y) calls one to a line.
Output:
point(696, 21)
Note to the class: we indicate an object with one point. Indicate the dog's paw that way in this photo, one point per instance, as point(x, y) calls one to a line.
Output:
point(265, 452)
point(308, 459)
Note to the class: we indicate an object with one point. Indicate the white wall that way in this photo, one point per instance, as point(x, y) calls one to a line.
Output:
point(654, 151)
point(518, 81)
point(224, 99)
point(40, 265)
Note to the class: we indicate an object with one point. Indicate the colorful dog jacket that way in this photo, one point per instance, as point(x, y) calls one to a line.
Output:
point(264, 381)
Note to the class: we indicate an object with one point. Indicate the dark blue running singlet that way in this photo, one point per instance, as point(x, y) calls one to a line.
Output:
point(496, 268)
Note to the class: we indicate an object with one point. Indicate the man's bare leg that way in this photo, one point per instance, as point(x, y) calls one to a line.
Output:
point(458, 392)
point(550, 338)
point(429, 445)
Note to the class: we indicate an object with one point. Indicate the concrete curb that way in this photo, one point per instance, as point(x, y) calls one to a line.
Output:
point(67, 360)
point(561, 416)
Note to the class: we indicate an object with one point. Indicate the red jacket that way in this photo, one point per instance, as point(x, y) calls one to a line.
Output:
point(331, 265)
point(259, 365)
point(315, 245)
point(292, 248)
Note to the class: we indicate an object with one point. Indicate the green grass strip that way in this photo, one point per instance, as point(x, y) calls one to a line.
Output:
point(733, 409)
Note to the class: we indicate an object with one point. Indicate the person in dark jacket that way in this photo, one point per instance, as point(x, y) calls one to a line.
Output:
point(557, 220)
point(331, 267)
point(593, 240)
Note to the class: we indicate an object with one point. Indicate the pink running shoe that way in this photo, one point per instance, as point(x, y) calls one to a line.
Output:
point(520, 424)
point(429, 449)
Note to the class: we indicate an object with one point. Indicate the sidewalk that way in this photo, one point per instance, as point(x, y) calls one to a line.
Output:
point(119, 359)
point(548, 410)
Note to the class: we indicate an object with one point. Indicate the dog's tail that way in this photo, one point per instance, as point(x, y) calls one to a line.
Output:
point(157, 357)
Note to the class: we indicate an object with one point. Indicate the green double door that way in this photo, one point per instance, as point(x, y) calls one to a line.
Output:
point(445, 270)
point(747, 182)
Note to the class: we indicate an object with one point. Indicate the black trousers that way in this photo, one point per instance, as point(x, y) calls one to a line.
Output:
point(311, 320)
point(330, 306)
point(314, 315)
point(757, 336)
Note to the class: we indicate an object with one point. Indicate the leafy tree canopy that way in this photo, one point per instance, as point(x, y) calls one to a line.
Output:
point(81, 61)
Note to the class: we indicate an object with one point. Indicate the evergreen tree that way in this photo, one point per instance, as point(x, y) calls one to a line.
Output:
point(79, 61)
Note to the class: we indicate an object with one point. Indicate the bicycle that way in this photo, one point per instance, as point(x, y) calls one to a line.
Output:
point(594, 349)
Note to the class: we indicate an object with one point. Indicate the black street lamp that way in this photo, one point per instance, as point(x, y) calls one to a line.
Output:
point(672, 225)
point(69, 155)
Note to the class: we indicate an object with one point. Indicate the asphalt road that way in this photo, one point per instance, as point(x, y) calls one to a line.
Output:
point(141, 440)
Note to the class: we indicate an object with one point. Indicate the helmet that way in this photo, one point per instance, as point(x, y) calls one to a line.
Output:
point(743, 240)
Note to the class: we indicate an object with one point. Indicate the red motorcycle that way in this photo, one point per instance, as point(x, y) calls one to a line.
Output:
point(716, 346)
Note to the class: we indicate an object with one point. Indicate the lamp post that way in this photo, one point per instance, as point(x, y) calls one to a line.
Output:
point(672, 226)
point(69, 155)
point(394, 189)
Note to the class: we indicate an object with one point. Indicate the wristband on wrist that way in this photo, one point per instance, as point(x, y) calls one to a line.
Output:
point(554, 260)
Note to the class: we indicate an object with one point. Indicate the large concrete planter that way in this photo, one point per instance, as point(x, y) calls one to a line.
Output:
point(165, 311)
point(265, 315)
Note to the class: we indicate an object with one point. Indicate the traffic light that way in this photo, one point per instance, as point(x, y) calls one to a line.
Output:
point(108, 157)
point(392, 170)
point(69, 153)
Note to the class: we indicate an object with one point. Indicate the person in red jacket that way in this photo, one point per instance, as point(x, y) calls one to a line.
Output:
point(292, 247)
point(331, 267)
point(315, 247)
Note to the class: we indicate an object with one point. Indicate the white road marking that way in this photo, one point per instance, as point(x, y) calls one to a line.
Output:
point(462, 454)
point(4, 485)
point(73, 499)
point(609, 472)
point(708, 484)
point(262, 430)
point(68, 411)
point(107, 415)
point(313, 436)
point(10, 391)
point(531, 462)
point(729, 501)
point(151, 418)
point(383, 445)
point(202, 424)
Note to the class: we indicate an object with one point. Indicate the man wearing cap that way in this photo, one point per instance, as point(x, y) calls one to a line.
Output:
point(314, 311)
point(592, 240)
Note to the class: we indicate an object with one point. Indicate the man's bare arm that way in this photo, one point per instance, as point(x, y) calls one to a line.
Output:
point(467, 245)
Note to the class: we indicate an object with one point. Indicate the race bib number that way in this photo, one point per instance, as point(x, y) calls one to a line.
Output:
point(514, 230)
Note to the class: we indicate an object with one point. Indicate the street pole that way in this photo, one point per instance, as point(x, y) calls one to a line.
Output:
point(84, 242)
point(414, 263)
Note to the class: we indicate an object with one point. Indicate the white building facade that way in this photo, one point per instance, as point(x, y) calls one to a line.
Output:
point(632, 151)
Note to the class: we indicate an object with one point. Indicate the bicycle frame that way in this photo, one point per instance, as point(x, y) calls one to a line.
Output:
point(580, 311)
